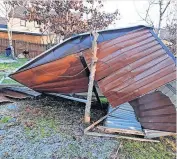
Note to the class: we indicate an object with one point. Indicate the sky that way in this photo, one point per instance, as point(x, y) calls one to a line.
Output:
point(130, 11)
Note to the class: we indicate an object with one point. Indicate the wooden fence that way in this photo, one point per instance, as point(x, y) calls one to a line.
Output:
point(20, 46)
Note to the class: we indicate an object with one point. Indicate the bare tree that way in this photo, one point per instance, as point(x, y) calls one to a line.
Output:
point(5, 11)
point(163, 5)
point(68, 17)
point(171, 27)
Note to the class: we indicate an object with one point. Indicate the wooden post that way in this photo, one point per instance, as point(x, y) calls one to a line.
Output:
point(91, 77)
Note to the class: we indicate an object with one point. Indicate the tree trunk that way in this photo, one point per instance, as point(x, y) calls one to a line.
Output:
point(92, 77)
point(9, 31)
point(10, 41)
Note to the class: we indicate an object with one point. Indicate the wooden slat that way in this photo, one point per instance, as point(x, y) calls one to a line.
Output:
point(73, 89)
point(146, 88)
point(105, 52)
point(155, 104)
point(159, 119)
point(124, 61)
point(159, 112)
point(171, 127)
point(128, 86)
point(131, 56)
point(68, 82)
point(133, 74)
point(123, 38)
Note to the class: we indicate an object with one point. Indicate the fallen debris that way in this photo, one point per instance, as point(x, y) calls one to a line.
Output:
point(4, 99)
point(13, 94)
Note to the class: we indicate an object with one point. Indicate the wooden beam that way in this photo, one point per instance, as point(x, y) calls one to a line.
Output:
point(88, 74)
point(91, 77)
point(117, 130)
point(98, 121)
point(119, 137)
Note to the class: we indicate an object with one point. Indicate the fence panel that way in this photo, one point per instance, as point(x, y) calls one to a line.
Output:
point(20, 46)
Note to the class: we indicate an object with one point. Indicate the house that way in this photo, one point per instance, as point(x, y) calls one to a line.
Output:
point(23, 30)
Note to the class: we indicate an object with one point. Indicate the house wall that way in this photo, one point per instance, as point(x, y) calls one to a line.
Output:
point(38, 39)
point(17, 25)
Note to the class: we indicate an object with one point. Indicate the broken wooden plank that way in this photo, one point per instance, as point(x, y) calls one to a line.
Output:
point(154, 133)
point(98, 121)
point(119, 137)
point(13, 94)
point(117, 130)
point(4, 99)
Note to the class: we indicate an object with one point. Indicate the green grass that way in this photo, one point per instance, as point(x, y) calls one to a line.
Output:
point(5, 119)
point(148, 150)
point(7, 68)
point(103, 100)
point(43, 128)
point(12, 66)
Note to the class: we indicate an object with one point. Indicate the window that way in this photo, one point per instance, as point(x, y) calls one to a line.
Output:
point(36, 24)
point(22, 22)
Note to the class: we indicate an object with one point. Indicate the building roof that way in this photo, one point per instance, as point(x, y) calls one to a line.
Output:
point(3, 21)
point(19, 12)
point(22, 32)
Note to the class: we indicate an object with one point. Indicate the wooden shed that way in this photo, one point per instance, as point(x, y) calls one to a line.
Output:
point(131, 62)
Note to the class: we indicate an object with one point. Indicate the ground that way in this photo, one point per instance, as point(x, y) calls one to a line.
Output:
point(53, 129)
point(49, 128)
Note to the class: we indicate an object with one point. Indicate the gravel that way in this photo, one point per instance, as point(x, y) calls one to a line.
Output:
point(49, 128)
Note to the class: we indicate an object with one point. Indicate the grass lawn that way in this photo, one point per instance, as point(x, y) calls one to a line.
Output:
point(7, 68)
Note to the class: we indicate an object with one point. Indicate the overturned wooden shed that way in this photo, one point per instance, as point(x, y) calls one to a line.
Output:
point(131, 62)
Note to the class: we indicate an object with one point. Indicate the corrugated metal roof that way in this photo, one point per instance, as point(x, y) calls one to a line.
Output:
point(123, 118)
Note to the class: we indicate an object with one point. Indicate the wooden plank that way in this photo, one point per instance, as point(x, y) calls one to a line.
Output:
point(4, 99)
point(134, 49)
point(162, 77)
point(160, 111)
point(125, 37)
point(154, 133)
point(136, 74)
point(124, 131)
point(168, 127)
point(131, 55)
point(67, 82)
point(13, 94)
point(171, 118)
point(137, 63)
point(119, 137)
point(156, 104)
point(118, 46)
point(68, 89)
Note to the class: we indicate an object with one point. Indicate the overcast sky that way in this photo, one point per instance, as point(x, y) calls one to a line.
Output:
point(129, 10)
